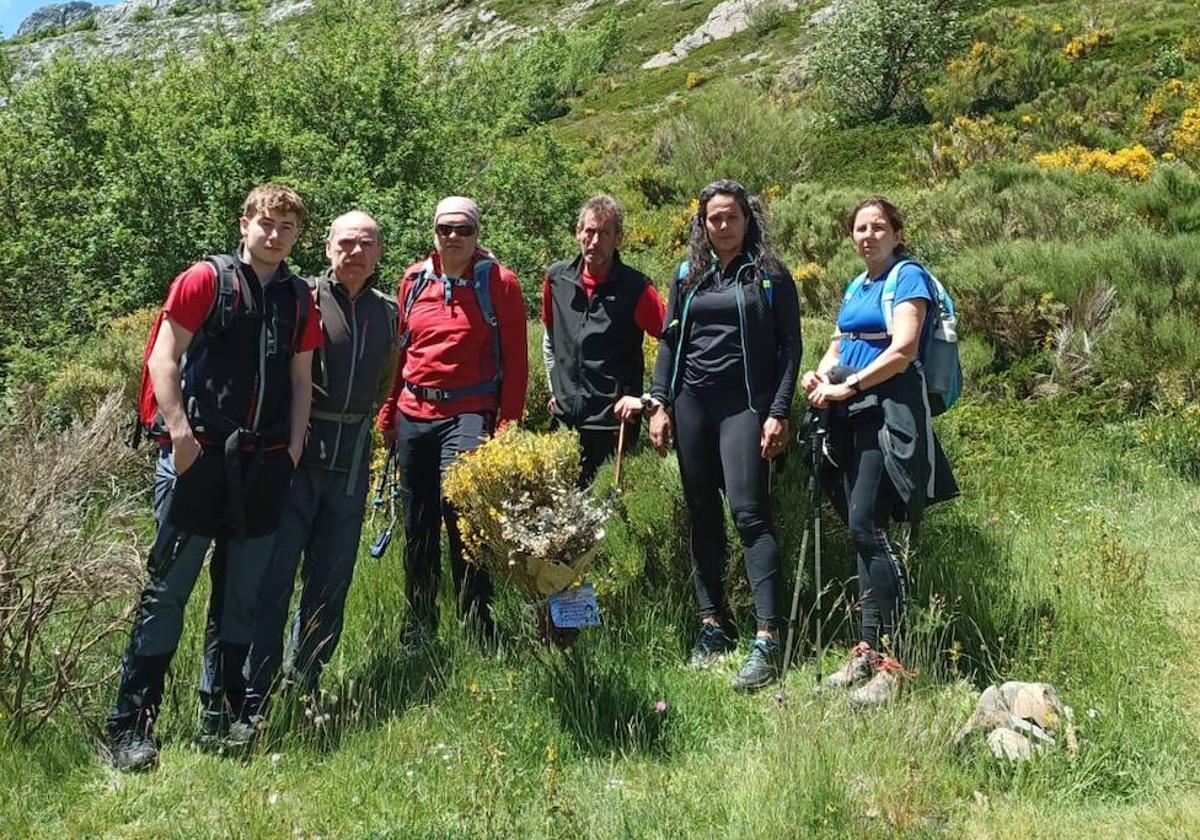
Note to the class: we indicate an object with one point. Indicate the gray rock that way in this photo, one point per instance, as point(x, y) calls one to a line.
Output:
point(726, 19)
point(828, 14)
point(56, 15)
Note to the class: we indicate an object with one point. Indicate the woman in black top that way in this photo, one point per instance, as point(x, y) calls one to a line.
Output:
point(723, 386)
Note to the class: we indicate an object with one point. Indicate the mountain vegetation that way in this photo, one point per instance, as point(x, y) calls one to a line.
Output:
point(1046, 155)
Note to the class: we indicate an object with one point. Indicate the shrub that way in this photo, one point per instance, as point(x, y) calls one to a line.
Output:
point(68, 557)
point(871, 58)
point(1135, 162)
point(142, 14)
point(1012, 60)
point(709, 140)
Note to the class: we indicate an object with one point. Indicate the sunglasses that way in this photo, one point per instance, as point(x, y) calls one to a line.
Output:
point(462, 230)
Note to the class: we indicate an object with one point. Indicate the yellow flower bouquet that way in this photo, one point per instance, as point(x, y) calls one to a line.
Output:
point(520, 512)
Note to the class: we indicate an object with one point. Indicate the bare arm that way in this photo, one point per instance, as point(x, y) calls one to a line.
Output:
point(906, 336)
point(812, 378)
point(300, 372)
point(169, 346)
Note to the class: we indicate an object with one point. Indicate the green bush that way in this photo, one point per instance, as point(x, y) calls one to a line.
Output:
point(872, 57)
point(712, 137)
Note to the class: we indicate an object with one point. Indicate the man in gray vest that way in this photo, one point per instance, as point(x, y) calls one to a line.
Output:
point(596, 311)
point(352, 375)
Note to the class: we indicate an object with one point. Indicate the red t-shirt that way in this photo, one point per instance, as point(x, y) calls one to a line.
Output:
point(450, 347)
point(648, 314)
point(191, 296)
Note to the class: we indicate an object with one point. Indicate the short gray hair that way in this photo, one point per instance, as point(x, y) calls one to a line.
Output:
point(604, 206)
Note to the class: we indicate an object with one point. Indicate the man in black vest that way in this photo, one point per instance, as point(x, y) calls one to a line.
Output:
point(231, 416)
point(352, 375)
point(596, 311)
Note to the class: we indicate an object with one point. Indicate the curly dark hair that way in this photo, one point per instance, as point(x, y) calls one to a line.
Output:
point(890, 212)
point(755, 244)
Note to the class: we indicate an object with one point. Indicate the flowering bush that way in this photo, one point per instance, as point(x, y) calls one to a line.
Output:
point(1135, 162)
point(1081, 46)
point(520, 512)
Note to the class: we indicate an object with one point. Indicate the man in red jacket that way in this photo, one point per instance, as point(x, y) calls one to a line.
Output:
point(463, 370)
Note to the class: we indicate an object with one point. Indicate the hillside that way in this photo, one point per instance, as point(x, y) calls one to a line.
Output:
point(1046, 156)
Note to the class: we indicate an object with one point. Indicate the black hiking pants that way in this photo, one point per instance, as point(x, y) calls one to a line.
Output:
point(426, 449)
point(864, 497)
point(718, 440)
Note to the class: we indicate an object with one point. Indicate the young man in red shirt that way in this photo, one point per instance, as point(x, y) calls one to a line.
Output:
point(463, 370)
point(231, 420)
point(596, 310)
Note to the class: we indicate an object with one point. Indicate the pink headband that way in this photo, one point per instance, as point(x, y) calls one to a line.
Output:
point(457, 204)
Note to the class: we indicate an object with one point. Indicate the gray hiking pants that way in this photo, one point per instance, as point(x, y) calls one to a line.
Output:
point(174, 565)
point(323, 522)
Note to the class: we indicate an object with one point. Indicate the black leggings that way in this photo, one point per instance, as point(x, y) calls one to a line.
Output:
point(719, 447)
point(863, 479)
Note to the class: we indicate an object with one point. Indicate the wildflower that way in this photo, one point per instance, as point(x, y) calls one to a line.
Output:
point(272, 798)
point(661, 706)
point(275, 758)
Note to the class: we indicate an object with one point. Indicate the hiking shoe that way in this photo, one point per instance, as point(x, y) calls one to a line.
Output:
point(213, 729)
point(860, 667)
point(761, 666)
point(882, 688)
point(134, 750)
point(241, 735)
point(711, 646)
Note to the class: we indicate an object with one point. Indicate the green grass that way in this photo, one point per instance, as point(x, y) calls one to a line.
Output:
point(527, 742)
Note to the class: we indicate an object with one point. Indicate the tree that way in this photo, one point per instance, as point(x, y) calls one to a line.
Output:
point(871, 57)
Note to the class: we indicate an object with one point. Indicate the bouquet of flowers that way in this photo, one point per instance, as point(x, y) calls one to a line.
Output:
point(521, 513)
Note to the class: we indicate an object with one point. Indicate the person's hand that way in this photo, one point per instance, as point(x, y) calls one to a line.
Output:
point(552, 404)
point(810, 380)
point(627, 408)
point(826, 393)
point(185, 449)
point(389, 435)
point(774, 437)
point(661, 432)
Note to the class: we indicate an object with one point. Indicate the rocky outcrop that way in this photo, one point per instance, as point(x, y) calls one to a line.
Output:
point(122, 29)
point(726, 19)
point(56, 16)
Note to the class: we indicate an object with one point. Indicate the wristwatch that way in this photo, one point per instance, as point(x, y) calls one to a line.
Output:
point(650, 404)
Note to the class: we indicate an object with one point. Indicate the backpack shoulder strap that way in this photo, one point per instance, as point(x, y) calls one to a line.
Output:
point(483, 294)
point(855, 285)
point(231, 288)
point(305, 302)
point(889, 292)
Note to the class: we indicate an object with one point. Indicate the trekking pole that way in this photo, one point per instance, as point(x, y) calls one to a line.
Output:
point(620, 452)
point(813, 526)
point(389, 480)
point(818, 456)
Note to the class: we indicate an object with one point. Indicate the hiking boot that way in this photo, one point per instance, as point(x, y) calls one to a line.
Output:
point(213, 729)
point(241, 735)
point(882, 688)
point(711, 646)
point(761, 666)
point(860, 667)
point(134, 750)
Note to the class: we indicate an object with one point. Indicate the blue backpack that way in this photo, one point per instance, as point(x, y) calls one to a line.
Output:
point(938, 355)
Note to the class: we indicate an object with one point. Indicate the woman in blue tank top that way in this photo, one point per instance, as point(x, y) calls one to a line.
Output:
point(884, 461)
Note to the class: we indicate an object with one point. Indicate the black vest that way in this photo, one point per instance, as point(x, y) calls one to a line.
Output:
point(238, 377)
point(597, 346)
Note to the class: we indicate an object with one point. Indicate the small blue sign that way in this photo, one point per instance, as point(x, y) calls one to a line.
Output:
point(575, 607)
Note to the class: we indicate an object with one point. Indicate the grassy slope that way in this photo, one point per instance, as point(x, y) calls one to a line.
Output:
point(510, 744)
